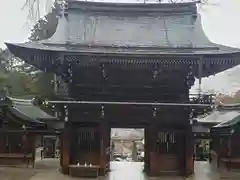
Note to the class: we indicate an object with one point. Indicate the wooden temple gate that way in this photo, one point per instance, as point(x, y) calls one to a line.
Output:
point(86, 140)
point(151, 54)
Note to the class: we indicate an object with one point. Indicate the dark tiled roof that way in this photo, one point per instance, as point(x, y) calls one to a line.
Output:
point(130, 34)
point(124, 50)
point(22, 116)
point(106, 29)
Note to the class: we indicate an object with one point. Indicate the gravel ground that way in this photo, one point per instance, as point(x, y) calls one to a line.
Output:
point(47, 169)
point(16, 173)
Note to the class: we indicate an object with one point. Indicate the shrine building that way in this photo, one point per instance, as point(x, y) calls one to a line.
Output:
point(19, 123)
point(225, 137)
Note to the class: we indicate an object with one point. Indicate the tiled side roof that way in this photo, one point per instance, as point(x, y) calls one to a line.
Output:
point(22, 116)
point(32, 111)
point(225, 115)
point(229, 123)
point(26, 111)
point(217, 116)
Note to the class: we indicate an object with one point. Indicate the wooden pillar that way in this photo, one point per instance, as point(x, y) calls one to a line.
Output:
point(189, 144)
point(153, 155)
point(146, 149)
point(109, 146)
point(34, 150)
point(65, 150)
point(104, 147)
point(29, 148)
point(181, 146)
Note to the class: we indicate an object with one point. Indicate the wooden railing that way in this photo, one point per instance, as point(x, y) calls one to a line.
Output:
point(206, 99)
point(202, 98)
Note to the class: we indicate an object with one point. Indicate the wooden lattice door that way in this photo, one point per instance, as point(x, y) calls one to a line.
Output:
point(169, 149)
point(85, 146)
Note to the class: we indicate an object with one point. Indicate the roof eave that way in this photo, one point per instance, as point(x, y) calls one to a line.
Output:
point(26, 51)
point(167, 51)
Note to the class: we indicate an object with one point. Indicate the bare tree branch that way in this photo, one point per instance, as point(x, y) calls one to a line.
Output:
point(33, 7)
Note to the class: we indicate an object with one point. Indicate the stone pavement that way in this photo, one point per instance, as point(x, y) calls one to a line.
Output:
point(47, 169)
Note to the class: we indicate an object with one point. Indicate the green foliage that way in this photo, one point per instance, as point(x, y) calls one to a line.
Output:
point(42, 85)
point(3, 74)
point(3, 60)
point(20, 79)
point(44, 29)
point(17, 83)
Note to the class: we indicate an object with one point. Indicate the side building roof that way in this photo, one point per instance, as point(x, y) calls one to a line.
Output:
point(27, 113)
point(223, 116)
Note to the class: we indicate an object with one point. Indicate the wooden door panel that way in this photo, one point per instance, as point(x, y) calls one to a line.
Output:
point(168, 162)
point(169, 146)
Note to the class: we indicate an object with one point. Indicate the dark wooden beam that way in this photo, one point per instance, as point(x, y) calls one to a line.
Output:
point(144, 97)
point(33, 131)
point(133, 86)
point(189, 143)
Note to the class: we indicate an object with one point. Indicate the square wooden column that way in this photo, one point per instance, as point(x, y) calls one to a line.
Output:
point(189, 144)
point(104, 147)
point(65, 150)
point(146, 150)
point(153, 164)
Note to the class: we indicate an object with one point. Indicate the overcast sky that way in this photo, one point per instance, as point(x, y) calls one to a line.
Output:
point(220, 23)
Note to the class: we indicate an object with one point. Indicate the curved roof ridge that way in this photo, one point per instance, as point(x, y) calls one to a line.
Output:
point(199, 37)
point(136, 4)
point(184, 7)
point(27, 108)
point(21, 101)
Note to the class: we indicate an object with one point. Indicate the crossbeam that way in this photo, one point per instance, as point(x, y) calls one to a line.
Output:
point(34, 131)
point(117, 103)
point(128, 103)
